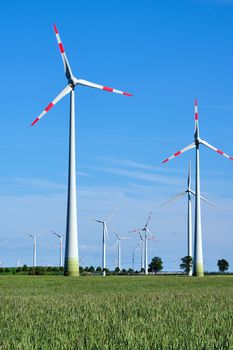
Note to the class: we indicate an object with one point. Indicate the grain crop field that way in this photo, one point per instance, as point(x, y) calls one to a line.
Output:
point(53, 312)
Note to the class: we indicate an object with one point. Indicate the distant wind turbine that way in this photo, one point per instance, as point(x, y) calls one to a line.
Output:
point(189, 192)
point(34, 237)
point(147, 235)
point(104, 238)
point(198, 269)
point(61, 246)
point(140, 247)
point(71, 248)
point(141, 244)
point(118, 245)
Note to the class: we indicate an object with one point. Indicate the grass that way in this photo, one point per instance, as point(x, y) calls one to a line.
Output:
point(53, 312)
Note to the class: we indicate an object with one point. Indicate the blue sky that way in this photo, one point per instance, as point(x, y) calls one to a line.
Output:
point(166, 53)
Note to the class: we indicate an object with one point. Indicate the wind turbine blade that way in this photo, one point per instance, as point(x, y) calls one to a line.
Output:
point(203, 142)
point(152, 238)
point(148, 219)
point(38, 234)
point(30, 235)
point(206, 200)
point(181, 194)
point(135, 230)
point(67, 68)
point(56, 234)
point(196, 131)
point(189, 175)
point(203, 198)
point(116, 244)
point(111, 215)
point(149, 232)
point(140, 237)
point(179, 152)
point(96, 220)
point(117, 236)
point(64, 92)
point(101, 87)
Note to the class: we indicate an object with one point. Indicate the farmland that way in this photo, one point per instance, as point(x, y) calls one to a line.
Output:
point(53, 312)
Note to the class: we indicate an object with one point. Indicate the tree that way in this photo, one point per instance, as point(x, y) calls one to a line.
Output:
point(98, 269)
point(25, 268)
point(91, 269)
point(223, 265)
point(81, 269)
point(186, 264)
point(156, 264)
point(117, 270)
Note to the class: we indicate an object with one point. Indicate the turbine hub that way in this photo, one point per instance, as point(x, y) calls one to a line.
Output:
point(72, 83)
point(197, 141)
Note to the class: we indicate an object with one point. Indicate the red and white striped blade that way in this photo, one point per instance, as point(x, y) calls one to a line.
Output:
point(196, 132)
point(67, 68)
point(180, 152)
point(101, 87)
point(136, 230)
point(203, 142)
point(51, 104)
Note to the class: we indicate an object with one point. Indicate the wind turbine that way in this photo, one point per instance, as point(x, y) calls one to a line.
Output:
point(198, 269)
point(34, 237)
point(60, 239)
point(118, 245)
point(146, 237)
point(71, 248)
point(141, 243)
point(105, 236)
point(189, 192)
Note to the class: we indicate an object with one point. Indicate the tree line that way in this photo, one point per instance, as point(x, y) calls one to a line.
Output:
point(155, 266)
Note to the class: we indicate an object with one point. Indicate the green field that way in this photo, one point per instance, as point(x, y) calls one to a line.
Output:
point(53, 312)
